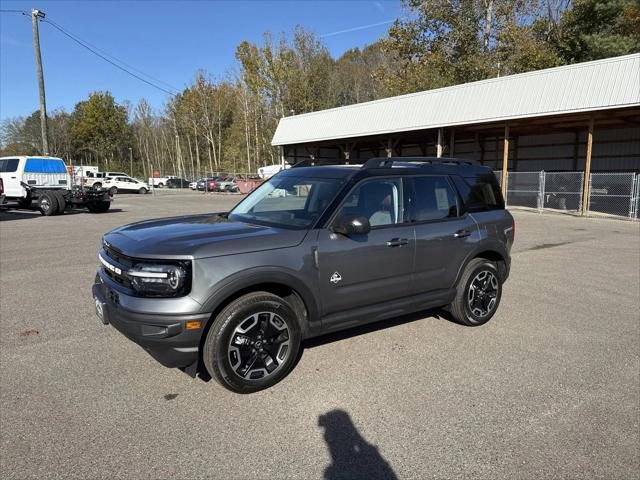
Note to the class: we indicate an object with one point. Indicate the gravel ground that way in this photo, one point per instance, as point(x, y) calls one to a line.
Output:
point(550, 388)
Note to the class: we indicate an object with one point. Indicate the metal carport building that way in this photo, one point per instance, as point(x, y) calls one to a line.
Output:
point(581, 117)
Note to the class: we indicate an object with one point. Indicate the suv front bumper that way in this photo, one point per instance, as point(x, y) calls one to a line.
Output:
point(164, 337)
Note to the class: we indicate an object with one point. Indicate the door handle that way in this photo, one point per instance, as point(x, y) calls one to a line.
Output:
point(462, 233)
point(397, 242)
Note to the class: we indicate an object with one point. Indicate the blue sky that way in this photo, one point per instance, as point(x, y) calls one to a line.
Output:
point(168, 40)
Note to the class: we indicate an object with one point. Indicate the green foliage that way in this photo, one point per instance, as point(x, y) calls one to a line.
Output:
point(594, 29)
point(99, 125)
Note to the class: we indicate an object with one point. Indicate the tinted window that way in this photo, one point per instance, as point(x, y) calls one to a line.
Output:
point(294, 202)
point(432, 199)
point(44, 165)
point(480, 193)
point(378, 200)
point(9, 165)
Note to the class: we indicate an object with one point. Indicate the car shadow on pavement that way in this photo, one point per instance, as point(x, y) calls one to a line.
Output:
point(352, 456)
point(375, 326)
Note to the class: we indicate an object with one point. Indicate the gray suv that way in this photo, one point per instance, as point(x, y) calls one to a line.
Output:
point(314, 249)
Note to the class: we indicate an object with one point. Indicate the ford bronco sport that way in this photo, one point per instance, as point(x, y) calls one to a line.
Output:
point(313, 250)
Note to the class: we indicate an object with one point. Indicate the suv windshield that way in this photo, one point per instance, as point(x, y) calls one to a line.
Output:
point(288, 202)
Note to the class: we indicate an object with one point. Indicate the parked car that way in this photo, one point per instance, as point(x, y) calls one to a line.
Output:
point(47, 181)
point(160, 182)
point(177, 183)
point(125, 184)
point(96, 179)
point(237, 292)
point(227, 184)
point(202, 183)
point(193, 185)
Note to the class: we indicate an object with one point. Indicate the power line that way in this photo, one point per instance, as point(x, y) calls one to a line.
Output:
point(116, 59)
point(23, 12)
point(95, 52)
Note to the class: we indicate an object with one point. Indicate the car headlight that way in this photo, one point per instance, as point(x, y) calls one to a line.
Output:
point(159, 280)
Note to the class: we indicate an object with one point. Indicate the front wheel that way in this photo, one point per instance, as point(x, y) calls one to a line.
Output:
point(253, 343)
point(479, 293)
point(113, 191)
point(142, 191)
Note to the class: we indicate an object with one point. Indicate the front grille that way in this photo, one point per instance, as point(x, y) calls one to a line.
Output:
point(122, 260)
point(119, 257)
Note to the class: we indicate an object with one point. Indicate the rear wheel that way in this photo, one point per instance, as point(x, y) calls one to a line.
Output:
point(479, 293)
point(160, 185)
point(62, 202)
point(48, 204)
point(253, 343)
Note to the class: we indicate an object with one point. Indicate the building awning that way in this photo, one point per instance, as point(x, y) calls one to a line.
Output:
point(584, 87)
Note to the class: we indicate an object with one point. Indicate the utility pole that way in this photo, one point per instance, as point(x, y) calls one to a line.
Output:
point(43, 105)
point(130, 161)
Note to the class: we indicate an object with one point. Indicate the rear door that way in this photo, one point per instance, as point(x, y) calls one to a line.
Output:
point(445, 235)
point(10, 177)
point(363, 270)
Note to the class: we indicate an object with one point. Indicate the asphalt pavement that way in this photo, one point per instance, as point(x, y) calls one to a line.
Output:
point(550, 388)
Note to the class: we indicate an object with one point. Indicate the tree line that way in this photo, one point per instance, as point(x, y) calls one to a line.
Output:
point(226, 124)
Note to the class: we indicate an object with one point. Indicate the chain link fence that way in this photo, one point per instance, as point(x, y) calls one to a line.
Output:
point(612, 194)
point(609, 194)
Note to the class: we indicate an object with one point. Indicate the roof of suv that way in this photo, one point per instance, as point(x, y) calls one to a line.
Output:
point(390, 166)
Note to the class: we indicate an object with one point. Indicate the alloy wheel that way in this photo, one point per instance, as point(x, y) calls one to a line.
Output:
point(259, 346)
point(483, 293)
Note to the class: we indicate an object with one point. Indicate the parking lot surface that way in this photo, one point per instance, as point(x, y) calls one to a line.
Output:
point(549, 388)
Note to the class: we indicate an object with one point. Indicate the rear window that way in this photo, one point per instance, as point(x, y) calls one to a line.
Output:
point(480, 193)
point(44, 165)
point(9, 165)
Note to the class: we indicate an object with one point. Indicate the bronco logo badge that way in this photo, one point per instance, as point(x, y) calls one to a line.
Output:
point(335, 278)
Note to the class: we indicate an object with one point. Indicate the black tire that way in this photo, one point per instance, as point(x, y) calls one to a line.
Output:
point(473, 308)
point(142, 191)
point(113, 191)
point(48, 204)
point(62, 202)
point(264, 337)
point(160, 185)
point(99, 207)
point(97, 185)
point(25, 202)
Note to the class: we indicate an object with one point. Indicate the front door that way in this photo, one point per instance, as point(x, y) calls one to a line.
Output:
point(367, 269)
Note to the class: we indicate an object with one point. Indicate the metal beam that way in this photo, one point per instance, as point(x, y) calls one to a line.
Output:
point(505, 160)
point(587, 169)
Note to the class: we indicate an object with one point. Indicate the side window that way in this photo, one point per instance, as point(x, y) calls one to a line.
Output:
point(379, 200)
point(9, 165)
point(433, 199)
point(480, 193)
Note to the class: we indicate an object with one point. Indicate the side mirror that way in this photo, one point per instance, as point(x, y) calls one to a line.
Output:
point(352, 226)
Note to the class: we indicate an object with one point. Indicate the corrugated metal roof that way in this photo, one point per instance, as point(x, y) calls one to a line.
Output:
point(598, 85)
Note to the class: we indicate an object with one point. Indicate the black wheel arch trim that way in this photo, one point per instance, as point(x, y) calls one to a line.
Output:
point(247, 279)
point(492, 247)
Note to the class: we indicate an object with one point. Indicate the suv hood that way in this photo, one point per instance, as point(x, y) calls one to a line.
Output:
point(198, 236)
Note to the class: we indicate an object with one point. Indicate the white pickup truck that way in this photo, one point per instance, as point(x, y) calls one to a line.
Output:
point(47, 181)
point(160, 182)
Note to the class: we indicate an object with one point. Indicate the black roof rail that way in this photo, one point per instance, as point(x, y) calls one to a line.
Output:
point(387, 162)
